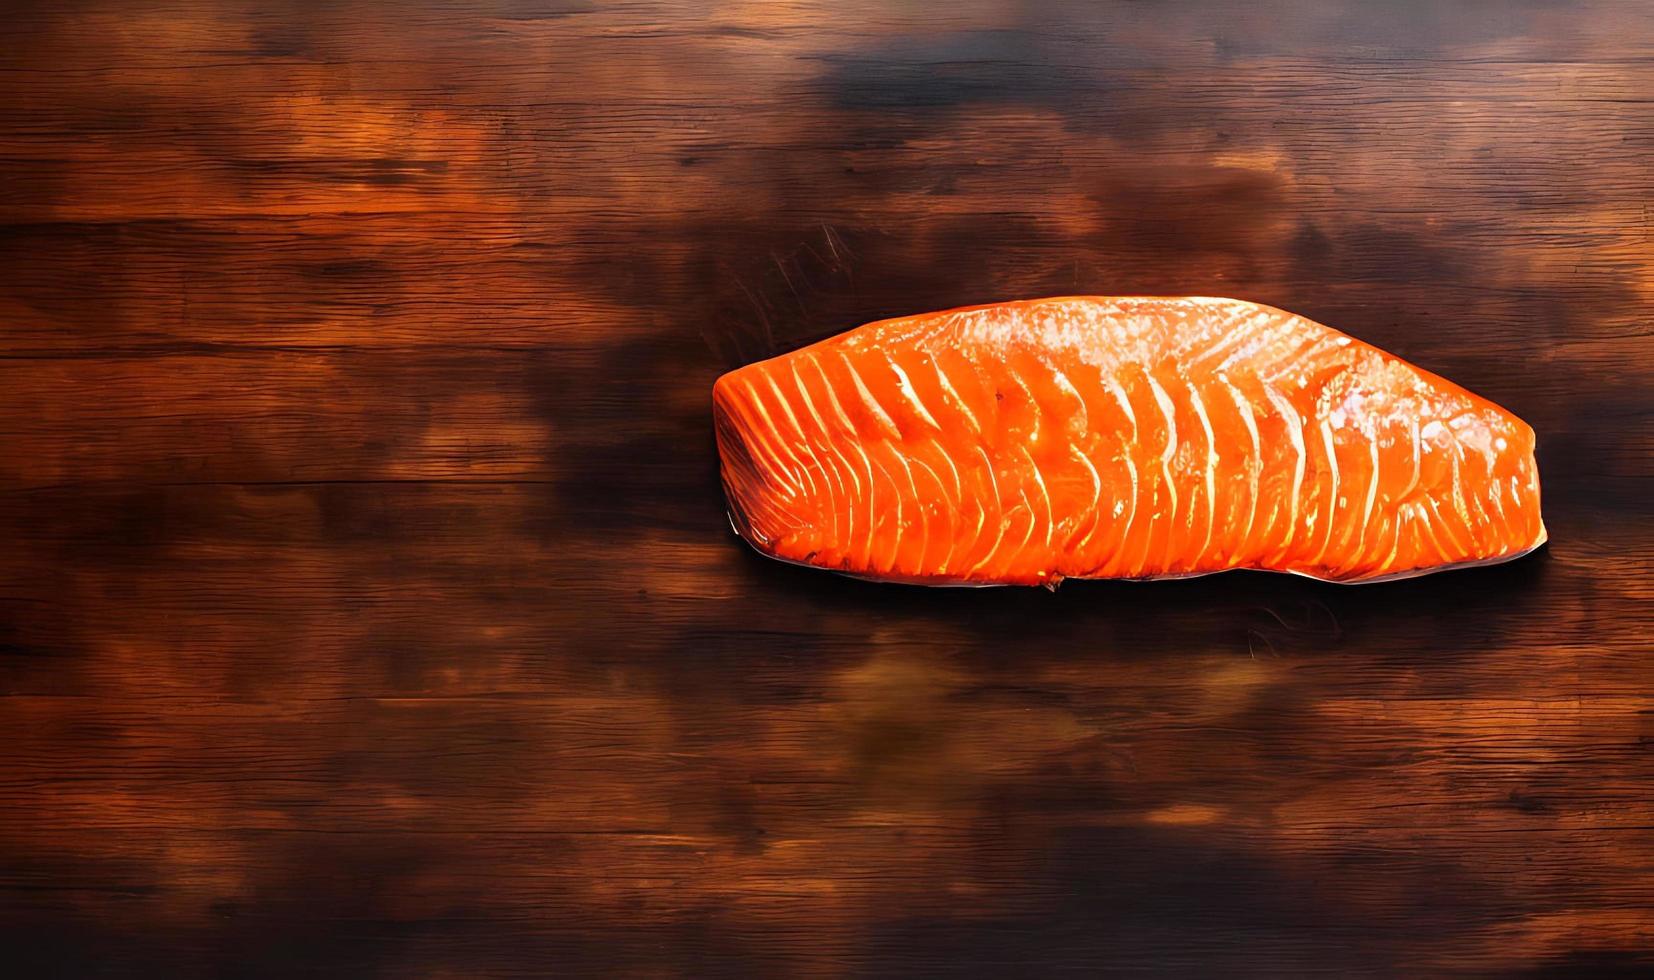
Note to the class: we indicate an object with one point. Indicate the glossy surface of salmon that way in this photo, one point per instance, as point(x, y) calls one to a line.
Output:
point(1118, 437)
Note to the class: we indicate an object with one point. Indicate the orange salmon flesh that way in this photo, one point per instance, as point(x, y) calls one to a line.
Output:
point(1118, 437)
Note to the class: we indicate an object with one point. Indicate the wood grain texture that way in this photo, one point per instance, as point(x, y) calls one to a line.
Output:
point(367, 605)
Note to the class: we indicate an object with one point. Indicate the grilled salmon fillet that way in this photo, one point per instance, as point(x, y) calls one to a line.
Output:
point(1118, 437)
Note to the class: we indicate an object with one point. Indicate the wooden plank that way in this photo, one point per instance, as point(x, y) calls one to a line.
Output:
point(527, 567)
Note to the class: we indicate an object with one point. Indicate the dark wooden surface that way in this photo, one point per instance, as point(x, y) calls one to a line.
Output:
point(366, 601)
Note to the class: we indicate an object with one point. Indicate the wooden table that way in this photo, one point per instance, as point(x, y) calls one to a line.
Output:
point(367, 604)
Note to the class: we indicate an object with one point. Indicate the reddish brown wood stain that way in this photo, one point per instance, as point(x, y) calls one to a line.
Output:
point(367, 603)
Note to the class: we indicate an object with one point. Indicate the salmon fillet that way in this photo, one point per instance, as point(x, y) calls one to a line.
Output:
point(1118, 437)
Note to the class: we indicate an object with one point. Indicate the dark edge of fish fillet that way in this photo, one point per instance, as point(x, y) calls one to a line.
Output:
point(1544, 538)
point(735, 525)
